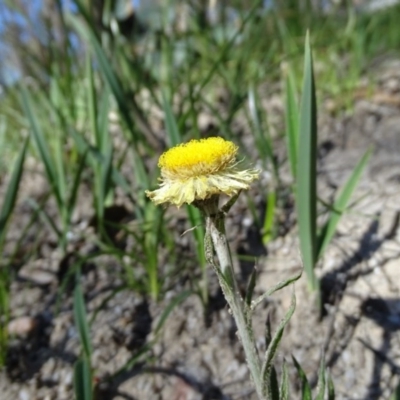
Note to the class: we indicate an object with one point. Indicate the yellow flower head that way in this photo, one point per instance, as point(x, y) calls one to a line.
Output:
point(198, 170)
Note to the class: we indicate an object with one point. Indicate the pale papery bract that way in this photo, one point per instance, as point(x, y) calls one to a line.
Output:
point(200, 169)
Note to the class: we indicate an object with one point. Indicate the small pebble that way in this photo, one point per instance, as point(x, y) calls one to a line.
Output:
point(21, 326)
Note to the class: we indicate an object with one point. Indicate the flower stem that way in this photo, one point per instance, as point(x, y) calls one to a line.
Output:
point(216, 240)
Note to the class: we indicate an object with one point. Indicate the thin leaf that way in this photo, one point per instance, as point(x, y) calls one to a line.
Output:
point(273, 346)
point(174, 136)
point(291, 121)
point(115, 85)
point(41, 143)
point(269, 217)
point(396, 394)
point(284, 390)
point(305, 386)
point(81, 319)
point(105, 179)
point(167, 311)
point(95, 156)
point(59, 152)
point(341, 203)
point(92, 103)
point(195, 219)
point(4, 313)
point(262, 138)
point(12, 190)
point(127, 368)
point(104, 140)
point(76, 182)
point(307, 173)
point(321, 381)
point(278, 286)
point(83, 380)
point(274, 385)
point(251, 286)
point(331, 389)
point(46, 218)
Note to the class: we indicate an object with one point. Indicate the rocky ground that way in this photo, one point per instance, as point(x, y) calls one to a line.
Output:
point(196, 355)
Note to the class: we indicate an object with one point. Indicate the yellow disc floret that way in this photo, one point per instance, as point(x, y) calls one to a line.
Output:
point(197, 157)
point(200, 169)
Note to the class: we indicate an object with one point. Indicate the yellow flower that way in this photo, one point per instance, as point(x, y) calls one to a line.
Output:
point(200, 169)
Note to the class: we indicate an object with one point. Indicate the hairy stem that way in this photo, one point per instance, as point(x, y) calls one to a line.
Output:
point(216, 240)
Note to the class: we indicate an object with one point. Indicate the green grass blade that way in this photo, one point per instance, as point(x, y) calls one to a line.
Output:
point(321, 381)
point(170, 307)
point(105, 182)
point(41, 143)
point(251, 286)
point(4, 313)
point(263, 140)
point(174, 136)
point(81, 319)
point(306, 171)
point(105, 66)
point(95, 156)
point(331, 389)
point(83, 380)
point(12, 190)
point(284, 389)
point(274, 385)
point(269, 221)
point(92, 103)
point(273, 346)
point(305, 386)
point(104, 140)
point(396, 394)
point(291, 121)
point(222, 54)
point(116, 87)
point(272, 290)
point(40, 210)
point(196, 219)
point(76, 182)
point(58, 148)
point(341, 203)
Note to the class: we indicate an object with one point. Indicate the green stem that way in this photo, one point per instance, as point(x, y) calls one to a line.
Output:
point(216, 239)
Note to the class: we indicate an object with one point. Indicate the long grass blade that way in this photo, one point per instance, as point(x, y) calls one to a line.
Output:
point(305, 386)
point(278, 286)
point(396, 394)
point(12, 190)
point(41, 144)
point(196, 219)
point(170, 307)
point(250, 287)
point(341, 203)
point(269, 220)
point(81, 320)
point(273, 347)
point(116, 87)
point(321, 381)
point(95, 156)
point(174, 136)
point(83, 380)
point(4, 313)
point(291, 121)
point(331, 389)
point(284, 389)
point(263, 140)
point(306, 171)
